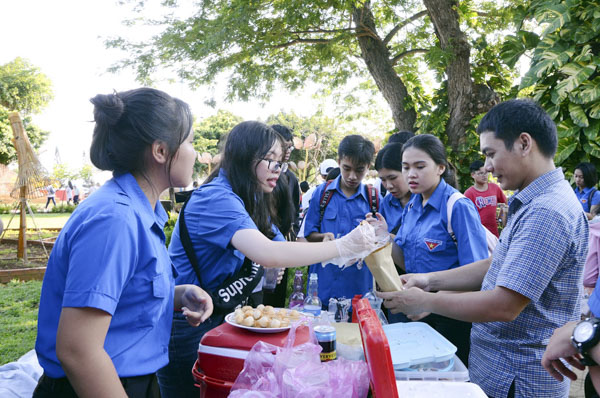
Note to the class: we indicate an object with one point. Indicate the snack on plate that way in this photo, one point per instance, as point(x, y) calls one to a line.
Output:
point(382, 267)
point(265, 316)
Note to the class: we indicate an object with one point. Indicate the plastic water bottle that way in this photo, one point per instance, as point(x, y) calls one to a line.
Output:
point(297, 296)
point(312, 302)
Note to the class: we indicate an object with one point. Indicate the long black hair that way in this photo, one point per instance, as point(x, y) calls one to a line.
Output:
point(245, 145)
point(432, 146)
point(590, 177)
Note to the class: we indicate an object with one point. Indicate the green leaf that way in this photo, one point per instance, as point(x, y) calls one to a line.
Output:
point(564, 152)
point(578, 115)
point(595, 111)
point(591, 132)
point(577, 74)
point(557, 15)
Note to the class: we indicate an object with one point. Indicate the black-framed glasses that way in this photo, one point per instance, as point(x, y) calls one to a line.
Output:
point(275, 165)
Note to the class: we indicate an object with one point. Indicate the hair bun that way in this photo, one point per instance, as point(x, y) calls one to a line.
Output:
point(108, 109)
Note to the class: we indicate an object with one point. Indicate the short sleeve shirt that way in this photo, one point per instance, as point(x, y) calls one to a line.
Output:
point(424, 237)
point(213, 215)
point(584, 195)
point(391, 209)
point(486, 203)
point(111, 255)
point(540, 255)
point(341, 216)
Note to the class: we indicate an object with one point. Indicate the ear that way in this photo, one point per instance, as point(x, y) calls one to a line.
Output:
point(159, 152)
point(525, 144)
point(441, 169)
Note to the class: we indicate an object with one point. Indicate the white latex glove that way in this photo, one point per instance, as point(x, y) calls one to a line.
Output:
point(359, 243)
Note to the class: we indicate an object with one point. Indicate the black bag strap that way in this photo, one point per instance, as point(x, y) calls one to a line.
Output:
point(590, 197)
point(186, 241)
point(325, 198)
point(373, 199)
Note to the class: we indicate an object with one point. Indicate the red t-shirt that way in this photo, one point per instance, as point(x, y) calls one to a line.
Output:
point(486, 203)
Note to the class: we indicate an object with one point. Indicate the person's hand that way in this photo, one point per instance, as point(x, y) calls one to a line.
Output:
point(280, 275)
point(328, 236)
point(418, 317)
point(417, 280)
point(560, 347)
point(359, 243)
point(196, 305)
point(409, 301)
point(377, 222)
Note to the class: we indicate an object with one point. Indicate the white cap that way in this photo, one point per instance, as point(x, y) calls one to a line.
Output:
point(327, 165)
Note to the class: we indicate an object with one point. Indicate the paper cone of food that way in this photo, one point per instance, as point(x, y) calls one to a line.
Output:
point(382, 267)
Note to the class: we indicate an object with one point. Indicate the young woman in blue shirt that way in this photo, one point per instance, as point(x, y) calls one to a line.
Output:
point(586, 179)
point(231, 217)
point(423, 243)
point(108, 293)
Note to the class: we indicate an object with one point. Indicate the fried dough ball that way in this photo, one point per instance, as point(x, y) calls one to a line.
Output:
point(263, 322)
point(260, 307)
point(246, 308)
point(248, 321)
point(256, 314)
point(274, 323)
point(239, 318)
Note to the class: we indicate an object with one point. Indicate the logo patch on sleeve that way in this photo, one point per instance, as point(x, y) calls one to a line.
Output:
point(432, 243)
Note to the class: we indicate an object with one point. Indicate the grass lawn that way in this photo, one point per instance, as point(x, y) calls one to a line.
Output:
point(19, 302)
point(41, 220)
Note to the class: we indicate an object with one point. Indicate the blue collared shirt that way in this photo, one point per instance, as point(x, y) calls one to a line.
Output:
point(341, 216)
point(424, 238)
point(540, 255)
point(391, 209)
point(213, 215)
point(111, 256)
point(584, 194)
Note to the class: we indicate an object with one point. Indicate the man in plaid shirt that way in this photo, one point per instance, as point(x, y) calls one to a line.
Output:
point(531, 285)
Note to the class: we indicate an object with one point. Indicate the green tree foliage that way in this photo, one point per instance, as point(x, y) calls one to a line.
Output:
point(565, 74)
point(397, 48)
point(25, 89)
point(63, 174)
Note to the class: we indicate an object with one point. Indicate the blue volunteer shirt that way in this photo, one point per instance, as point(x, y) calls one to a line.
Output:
point(341, 216)
point(213, 215)
point(424, 238)
point(111, 256)
point(583, 196)
point(391, 209)
point(540, 255)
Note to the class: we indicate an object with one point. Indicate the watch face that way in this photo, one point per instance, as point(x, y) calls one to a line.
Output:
point(583, 332)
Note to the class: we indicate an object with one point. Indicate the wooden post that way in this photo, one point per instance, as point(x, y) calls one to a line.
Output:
point(22, 247)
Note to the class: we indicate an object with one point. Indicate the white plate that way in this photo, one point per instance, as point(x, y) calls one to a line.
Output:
point(229, 318)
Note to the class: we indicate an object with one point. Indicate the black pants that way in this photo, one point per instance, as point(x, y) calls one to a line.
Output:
point(588, 388)
point(51, 198)
point(135, 387)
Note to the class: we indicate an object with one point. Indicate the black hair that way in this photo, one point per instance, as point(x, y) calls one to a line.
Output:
point(129, 122)
point(433, 147)
point(476, 165)
point(246, 144)
point(333, 174)
point(284, 131)
point(401, 137)
point(356, 148)
point(282, 202)
point(392, 157)
point(509, 119)
point(590, 177)
point(379, 158)
point(304, 186)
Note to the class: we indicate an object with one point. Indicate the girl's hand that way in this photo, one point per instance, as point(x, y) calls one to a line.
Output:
point(377, 222)
point(418, 280)
point(196, 304)
point(280, 275)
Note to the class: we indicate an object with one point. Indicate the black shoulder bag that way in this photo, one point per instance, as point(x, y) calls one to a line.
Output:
point(236, 289)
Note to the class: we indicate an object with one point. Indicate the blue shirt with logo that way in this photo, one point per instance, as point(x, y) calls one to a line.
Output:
point(111, 255)
point(213, 215)
point(583, 196)
point(341, 216)
point(424, 238)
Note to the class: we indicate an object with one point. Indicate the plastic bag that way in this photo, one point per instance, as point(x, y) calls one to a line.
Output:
point(358, 244)
point(297, 372)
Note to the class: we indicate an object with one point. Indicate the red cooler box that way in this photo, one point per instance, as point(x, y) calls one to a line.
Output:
point(222, 352)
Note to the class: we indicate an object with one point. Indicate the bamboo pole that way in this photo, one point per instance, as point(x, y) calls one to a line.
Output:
point(22, 246)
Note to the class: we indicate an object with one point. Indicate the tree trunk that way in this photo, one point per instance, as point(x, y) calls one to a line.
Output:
point(377, 58)
point(460, 85)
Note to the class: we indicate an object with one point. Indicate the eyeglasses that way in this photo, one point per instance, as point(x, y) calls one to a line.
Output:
point(275, 165)
point(290, 148)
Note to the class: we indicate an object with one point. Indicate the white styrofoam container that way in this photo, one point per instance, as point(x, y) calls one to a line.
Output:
point(459, 372)
point(428, 389)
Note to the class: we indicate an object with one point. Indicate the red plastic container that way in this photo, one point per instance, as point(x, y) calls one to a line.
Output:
point(222, 352)
point(377, 351)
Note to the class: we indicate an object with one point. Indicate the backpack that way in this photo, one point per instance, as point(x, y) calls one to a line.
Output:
point(372, 194)
point(491, 239)
point(51, 190)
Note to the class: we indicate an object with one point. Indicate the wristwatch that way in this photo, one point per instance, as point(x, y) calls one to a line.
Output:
point(585, 336)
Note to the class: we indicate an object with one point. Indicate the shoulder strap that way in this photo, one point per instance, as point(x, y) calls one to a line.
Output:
point(590, 197)
point(184, 235)
point(451, 200)
point(325, 198)
point(373, 198)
